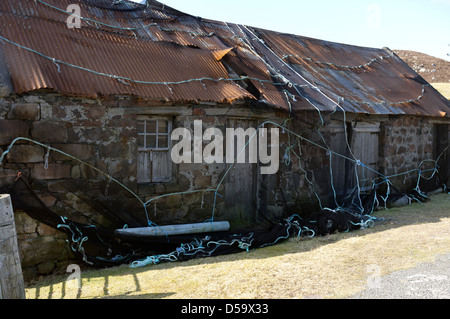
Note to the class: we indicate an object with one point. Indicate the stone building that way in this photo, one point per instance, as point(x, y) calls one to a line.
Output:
point(96, 107)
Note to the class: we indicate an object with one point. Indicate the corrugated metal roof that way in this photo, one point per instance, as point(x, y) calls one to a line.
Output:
point(159, 53)
point(357, 79)
point(89, 62)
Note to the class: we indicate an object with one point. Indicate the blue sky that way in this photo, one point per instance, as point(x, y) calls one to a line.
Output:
point(419, 25)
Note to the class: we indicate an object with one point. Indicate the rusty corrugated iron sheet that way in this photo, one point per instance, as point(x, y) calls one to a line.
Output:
point(91, 63)
point(356, 79)
point(158, 53)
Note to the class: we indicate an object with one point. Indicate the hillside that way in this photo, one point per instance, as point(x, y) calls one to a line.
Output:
point(432, 69)
point(436, 71)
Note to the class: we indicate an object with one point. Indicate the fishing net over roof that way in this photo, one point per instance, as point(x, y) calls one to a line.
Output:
point(157, 53)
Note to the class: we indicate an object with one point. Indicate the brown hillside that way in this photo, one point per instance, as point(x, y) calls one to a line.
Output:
point(432, 69)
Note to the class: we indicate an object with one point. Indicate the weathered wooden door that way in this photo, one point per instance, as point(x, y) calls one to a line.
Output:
point(365, 145)
point(240, 186)
point(363, 141)
point(338, 146)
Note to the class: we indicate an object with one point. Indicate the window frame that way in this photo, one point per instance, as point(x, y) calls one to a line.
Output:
point(157, 134)
point(148, 153)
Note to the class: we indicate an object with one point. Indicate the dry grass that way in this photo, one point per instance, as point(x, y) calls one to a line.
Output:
point(322, 267)
point(443, 88)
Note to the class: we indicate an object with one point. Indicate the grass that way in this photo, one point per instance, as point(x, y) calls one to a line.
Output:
point(322, 267)
point(443, 88)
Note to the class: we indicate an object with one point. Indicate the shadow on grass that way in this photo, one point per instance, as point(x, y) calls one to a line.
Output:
point(417, 213)
point(131, 295)
point(57, 288)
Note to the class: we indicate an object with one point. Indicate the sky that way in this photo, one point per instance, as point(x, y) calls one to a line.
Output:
point(417, 25)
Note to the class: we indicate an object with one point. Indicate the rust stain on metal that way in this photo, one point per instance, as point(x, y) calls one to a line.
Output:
point(158, 53)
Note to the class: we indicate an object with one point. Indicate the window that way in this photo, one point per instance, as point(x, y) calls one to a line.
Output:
point(154, 162)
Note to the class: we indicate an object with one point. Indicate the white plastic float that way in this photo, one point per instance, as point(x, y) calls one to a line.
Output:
point(171, 230)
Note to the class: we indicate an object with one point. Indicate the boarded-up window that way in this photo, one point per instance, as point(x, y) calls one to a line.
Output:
point(154, 161)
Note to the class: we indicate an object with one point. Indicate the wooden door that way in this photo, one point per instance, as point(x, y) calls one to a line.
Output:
point(339, 165)
point(240, 185)
point(363, 139)
point(365, 145)
point(442, 151)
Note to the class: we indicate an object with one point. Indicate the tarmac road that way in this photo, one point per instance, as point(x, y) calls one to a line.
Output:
point(425, 281)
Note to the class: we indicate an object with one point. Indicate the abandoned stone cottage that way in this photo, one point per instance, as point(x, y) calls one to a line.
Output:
point(109, 94)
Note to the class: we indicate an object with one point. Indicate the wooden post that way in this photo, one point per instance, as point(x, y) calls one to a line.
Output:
point(11, 278)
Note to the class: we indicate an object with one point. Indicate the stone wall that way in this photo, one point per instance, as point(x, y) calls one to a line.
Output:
point(102, 134)
point(406, 144)
point(43, 249)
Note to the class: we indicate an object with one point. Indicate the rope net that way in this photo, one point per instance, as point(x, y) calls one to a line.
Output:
point(103, 247)
point(100, 246)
